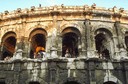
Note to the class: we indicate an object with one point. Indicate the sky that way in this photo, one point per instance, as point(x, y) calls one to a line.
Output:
point(11, 5)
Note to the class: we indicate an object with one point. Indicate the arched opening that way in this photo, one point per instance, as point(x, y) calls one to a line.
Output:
point(103, 43)
point(2, 82)
point(8, 45)
point(109, 82)
point(126, 40)
point(34, 82)
point(38, 42)
point(70, 42)
point(71, 82)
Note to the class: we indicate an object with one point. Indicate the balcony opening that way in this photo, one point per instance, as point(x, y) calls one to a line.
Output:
point(34, 83)
point(70, 42)
point(101, 43)
point(70, 45)
point(38, 45)
point(2, 83)
point(8, 46)
point(38, 42)
point(71, 82)
point(126, 40)
point(109, 82)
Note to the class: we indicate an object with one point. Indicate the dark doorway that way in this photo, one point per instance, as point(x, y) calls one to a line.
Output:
point(37, 38)
point(34, 83)
point(109, 82)
point(2, 83)
point(126, 42)
point(70, 45)
point(100, 41)
point(71, 82)
point(38, 41)
point(8, 47)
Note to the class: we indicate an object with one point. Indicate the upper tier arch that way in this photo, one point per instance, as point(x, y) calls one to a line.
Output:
point(73, 25)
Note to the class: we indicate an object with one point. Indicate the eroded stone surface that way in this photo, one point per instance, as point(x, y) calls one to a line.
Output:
point(94, 52)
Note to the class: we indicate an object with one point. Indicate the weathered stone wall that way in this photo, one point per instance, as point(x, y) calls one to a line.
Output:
point(59, 71)
point(55, 21)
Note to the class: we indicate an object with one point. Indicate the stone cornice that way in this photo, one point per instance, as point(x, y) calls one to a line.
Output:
point(55, 10)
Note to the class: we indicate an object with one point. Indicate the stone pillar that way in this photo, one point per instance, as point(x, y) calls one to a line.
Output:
point(25, 51)
point(116, 41)
point(22, 45)
point(119, 34)
point(48, 46)
point(59, 47)
point(120, 45)
point(26, 48)
point(17, 46)
point(79, 47)
point(116, 54)
point(29, 49)
point(123, 52)
point(1, 51)
point(90, 40)
point(54, 37)
point(82, 43)
point(91, 68)
point(126, 71)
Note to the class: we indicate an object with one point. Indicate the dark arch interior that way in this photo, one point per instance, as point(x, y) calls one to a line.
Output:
point(126, 41)
point(99, 39)
point(2, 82)
point(37, 40)
point(8, 47)
point(103, 30)
point(70, 44)
point(34, 83)
point(71, 82)
point(109, 82)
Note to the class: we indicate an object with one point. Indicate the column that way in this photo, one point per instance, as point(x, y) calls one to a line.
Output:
point(119, 34)
point(53, 49)
point(123, 52)
point(91, 70)
point(82, 43)
point(1, 51)
point(90, 41)
point(29, 49)
point(116, 55)
point(26, 47)
point(18, 49)
point(48, 46)
point(24, 40)
point(120, 51)
point(126, 71)
point(59, 45)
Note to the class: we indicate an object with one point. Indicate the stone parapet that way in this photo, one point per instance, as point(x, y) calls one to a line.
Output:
point(85, 10)
point(62, 70)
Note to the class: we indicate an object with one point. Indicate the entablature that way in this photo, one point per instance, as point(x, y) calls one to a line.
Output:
point(61, 10)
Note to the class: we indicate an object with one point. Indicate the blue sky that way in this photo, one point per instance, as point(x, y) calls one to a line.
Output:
point(14, 4)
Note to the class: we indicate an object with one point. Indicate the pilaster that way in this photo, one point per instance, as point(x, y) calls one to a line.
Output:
point(119, 39)
point(90, 40)
point(20, 46)
point(91, 68)
point(59, 47)
point(1, 49)
point(82, 43)
point(116, 52)
point(48, 44)
point(54, 46)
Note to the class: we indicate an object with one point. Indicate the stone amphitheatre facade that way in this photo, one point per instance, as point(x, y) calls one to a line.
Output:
point(80, 45)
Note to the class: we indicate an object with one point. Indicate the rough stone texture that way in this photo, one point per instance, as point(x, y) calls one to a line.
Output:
point(86, 22)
